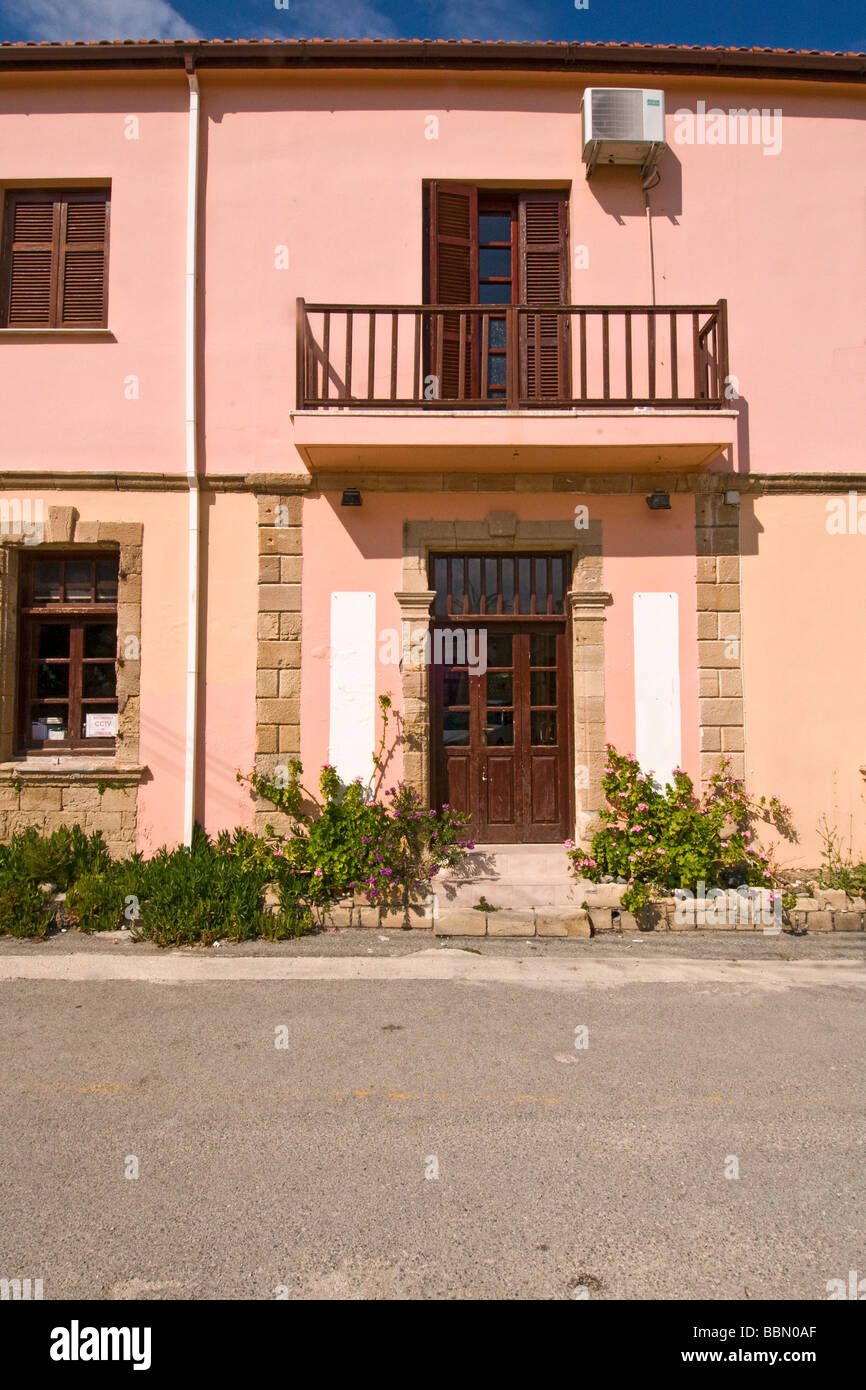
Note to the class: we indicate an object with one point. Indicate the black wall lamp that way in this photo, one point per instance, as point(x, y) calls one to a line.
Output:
point(659, 501)
point(351, 497)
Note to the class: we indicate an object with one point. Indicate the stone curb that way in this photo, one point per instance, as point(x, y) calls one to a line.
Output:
point(828, 910)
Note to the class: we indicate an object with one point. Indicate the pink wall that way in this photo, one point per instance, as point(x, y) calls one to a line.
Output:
point(66, 404)
point(227, 703)
point(363, 550)
point(337, 176)
point(330, 167)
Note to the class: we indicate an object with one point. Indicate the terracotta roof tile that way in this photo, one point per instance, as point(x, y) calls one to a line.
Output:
point(384, 43)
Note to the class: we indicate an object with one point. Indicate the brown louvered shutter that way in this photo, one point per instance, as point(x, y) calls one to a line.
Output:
point(454, 280)
point(54, 259)
point(29, 261)
point(81, 293)
point(543, 239)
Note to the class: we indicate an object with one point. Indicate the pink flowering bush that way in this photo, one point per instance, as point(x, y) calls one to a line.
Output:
point(346, 840)
point(661, 840)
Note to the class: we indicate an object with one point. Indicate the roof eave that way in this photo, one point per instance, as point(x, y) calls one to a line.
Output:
point(407, 54)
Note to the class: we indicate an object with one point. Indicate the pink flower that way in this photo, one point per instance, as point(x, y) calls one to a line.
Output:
point(635, 830)
point(641, 806)
point(568, 844)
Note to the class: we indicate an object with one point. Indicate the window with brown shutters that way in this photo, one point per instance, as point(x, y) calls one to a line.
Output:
point(506, 253)
point(54, 258)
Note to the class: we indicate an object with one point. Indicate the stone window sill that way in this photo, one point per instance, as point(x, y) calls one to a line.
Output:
point(68, 768)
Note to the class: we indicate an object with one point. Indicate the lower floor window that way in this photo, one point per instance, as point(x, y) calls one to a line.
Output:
point(68, 650)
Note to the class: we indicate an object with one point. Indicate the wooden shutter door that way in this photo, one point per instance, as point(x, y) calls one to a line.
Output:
point(454, 280)
point(82, 241)
point(28, 261)
point(544, 338)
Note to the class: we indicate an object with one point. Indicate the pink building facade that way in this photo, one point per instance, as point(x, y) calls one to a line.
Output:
point(254, 476)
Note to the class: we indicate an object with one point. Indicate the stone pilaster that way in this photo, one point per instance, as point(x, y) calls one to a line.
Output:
point(278, 653)
point(720, 674)
point(415, 623)
point(587, 635)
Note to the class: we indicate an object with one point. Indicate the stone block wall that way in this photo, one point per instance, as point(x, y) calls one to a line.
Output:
point(96, 799)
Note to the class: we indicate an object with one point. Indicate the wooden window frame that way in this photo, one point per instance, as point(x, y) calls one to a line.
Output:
point(499, 614)
point(503, 205)
point(60, 198)
point(79, 616)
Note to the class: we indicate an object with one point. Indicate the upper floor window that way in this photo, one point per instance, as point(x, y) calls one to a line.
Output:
point(54, 264)
point(497, 249)
point(68, 650)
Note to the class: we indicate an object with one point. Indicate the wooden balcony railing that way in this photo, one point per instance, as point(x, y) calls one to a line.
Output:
point(399, 356)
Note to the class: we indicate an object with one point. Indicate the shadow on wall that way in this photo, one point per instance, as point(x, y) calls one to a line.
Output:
point(653, 534)
point(618, 192)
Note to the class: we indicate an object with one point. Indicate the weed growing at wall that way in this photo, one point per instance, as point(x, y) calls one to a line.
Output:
point(838, 869)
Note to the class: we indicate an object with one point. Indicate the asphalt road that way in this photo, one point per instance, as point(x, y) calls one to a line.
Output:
point(310, 1170)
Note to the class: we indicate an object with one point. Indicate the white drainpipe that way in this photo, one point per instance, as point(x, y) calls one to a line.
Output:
point(191, 756)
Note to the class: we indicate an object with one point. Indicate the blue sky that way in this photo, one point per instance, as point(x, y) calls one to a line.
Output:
point(841, 24)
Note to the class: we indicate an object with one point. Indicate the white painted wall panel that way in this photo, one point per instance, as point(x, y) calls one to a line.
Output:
point(658, 718)
point(353, 684)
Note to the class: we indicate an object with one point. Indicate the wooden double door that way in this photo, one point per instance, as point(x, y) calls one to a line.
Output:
point(501, 734)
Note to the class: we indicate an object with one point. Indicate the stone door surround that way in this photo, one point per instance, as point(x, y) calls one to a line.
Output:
point(501, 531)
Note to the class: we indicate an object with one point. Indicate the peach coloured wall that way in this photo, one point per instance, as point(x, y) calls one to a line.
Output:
point(362, 549)
point(67, 404)
point(227, 707)
point(804, 666)
point(227, 713)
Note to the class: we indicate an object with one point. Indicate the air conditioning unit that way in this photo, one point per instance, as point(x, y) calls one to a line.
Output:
point(623, 125)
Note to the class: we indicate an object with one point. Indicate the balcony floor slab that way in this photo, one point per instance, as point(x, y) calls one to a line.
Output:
point(601, 441)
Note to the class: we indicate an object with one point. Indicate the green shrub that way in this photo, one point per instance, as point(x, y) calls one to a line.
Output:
point(106, 899)
point(210, 892)
point(59, 858)
point(24, 911)
point(661, 840)
point(348, 842)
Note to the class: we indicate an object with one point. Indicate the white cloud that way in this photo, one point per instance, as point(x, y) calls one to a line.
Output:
point(332, 19)
point(493, 19)
point(62, 21)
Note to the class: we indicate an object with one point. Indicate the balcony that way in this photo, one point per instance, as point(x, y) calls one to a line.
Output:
point(495, 387)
